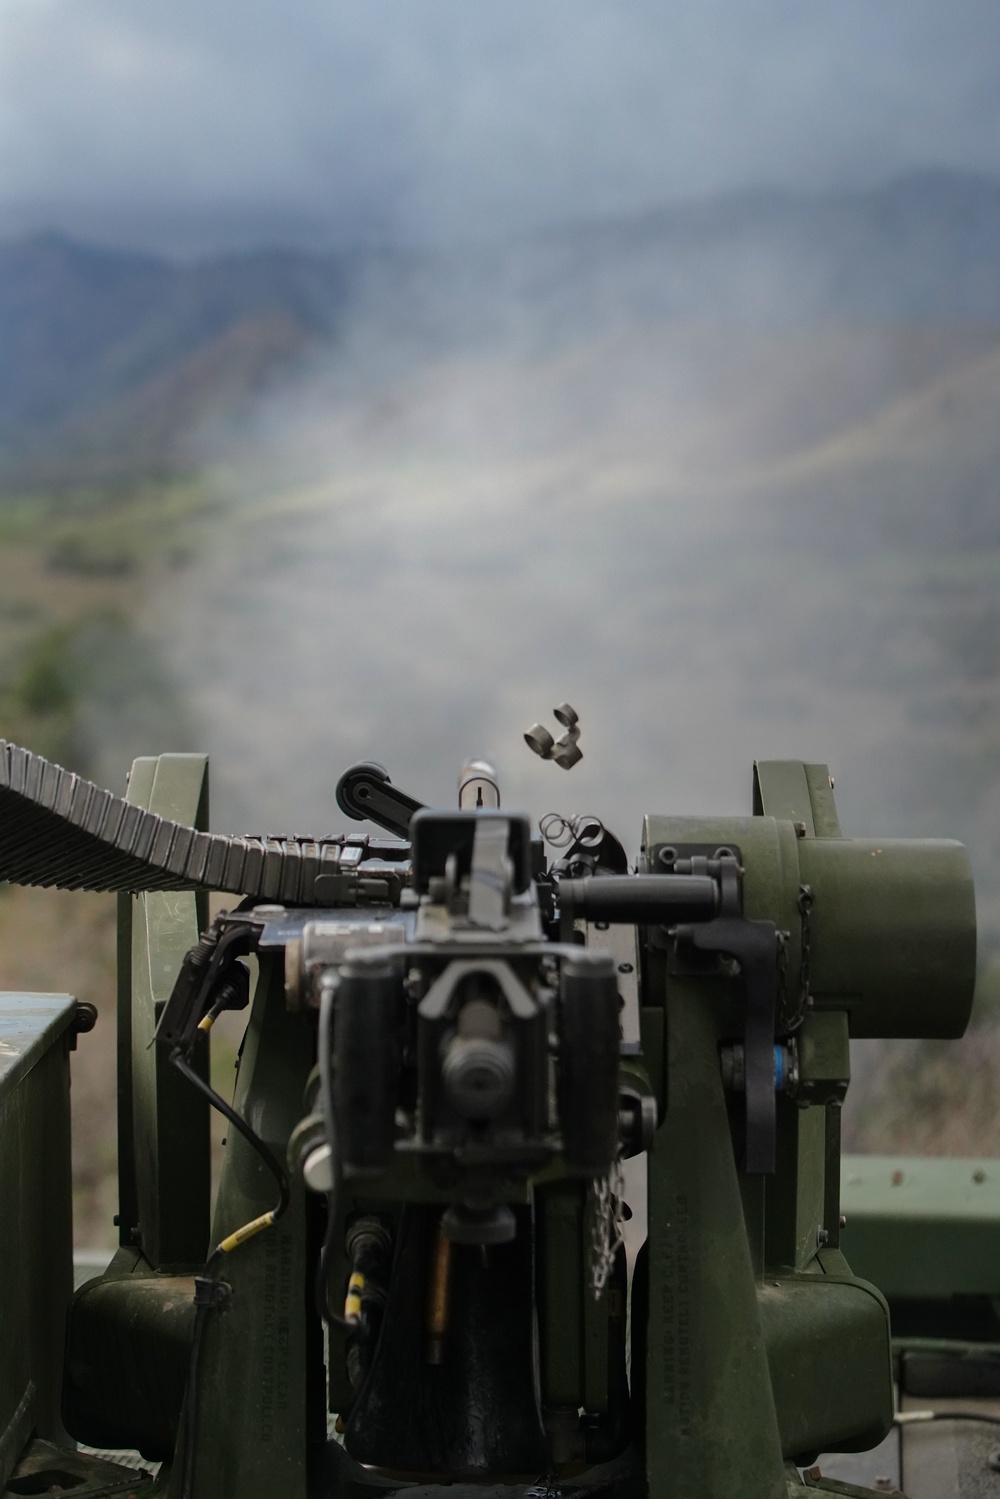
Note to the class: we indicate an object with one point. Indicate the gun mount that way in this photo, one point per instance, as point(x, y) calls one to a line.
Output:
point(413, 1275)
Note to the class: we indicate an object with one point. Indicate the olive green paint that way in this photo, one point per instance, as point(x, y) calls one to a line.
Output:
point(711, 1426)
point(893, 933)
point(892, 928)
point(559, 1215)
point(923, 1227)
point(802, 1198)
point(758, 1330)
point(36, 1262)
point(127, 1352)
point(829, 1357)
point(257, 1377)
point(798, 793)
point(169, 1152)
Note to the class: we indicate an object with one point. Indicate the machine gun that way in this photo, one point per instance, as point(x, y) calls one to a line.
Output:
point(415, 1274)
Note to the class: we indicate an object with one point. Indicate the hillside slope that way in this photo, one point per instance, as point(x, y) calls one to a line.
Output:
point(96, 345)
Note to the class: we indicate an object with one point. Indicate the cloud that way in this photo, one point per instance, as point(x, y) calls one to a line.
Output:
point(443, 119)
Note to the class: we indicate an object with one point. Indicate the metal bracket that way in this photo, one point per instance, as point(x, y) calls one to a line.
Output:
point(754, 946)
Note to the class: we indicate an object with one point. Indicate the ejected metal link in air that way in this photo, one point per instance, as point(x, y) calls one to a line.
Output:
point(565, 751)
point(57, 829)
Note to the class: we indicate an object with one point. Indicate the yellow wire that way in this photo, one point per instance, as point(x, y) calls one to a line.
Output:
point(247, 1232)
point(352, 1305)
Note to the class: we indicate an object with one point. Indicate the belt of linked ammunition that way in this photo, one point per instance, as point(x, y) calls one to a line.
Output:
point(58, 829)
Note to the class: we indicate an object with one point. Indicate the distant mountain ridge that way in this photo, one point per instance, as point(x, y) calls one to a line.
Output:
point(109, 359)
point(89, 337)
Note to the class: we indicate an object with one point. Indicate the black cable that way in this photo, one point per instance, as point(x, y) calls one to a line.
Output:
point(180, 1061)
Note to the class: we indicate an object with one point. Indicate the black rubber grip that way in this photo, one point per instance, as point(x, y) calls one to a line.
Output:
point(365, 791)
point(640, 899)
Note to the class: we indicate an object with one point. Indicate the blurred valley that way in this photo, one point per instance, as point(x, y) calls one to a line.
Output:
point(726, 477)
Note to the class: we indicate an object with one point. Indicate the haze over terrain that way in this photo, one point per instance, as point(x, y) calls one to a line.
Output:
point(721, 472)
point(381, 448)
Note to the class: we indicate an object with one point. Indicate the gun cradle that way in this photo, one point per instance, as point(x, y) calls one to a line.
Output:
point(450, 1051)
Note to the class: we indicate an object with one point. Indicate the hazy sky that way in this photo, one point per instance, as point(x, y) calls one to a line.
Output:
point(195, 123)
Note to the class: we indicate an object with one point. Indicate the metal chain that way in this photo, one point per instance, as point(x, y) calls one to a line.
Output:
point(804, 905)
point(785, 1018)
point(605, 1226)
point(792, 1018)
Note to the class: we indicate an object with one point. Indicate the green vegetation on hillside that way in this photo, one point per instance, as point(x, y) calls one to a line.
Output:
point(82, 683)
point(76, 570)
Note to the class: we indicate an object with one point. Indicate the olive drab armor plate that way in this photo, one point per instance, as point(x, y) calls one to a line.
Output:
point(418, 1270)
